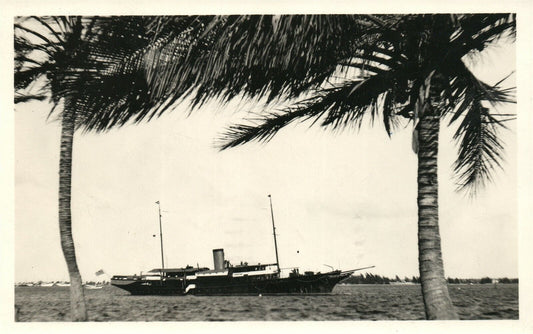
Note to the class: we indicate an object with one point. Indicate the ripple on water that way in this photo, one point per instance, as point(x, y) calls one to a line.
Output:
point(365, 302)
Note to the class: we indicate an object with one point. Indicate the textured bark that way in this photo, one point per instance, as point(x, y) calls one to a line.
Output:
point(437, 300)
point(77, 298)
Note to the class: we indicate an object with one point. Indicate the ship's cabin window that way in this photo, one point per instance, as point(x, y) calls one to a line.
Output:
point(174, 274)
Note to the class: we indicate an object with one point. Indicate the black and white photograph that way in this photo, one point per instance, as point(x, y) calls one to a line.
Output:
point(278, 166)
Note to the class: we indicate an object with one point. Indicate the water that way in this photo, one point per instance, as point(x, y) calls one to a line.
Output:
point(347, 302)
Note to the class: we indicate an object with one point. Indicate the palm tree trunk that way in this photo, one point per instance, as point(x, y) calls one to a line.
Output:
point(77, 298)
point(437, 300)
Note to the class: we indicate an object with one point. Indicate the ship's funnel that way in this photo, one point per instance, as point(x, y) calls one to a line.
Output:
point(218, 258)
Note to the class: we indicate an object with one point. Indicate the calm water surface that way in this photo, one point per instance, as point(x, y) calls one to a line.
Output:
point(347, 302)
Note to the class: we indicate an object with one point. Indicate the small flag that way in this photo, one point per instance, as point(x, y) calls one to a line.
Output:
point(99, 272)
point(157, 202)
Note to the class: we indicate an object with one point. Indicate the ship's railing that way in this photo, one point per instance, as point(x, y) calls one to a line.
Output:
point(289, 271)
point(124, 277)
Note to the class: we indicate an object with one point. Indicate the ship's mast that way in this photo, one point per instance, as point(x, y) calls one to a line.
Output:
point(161, 237)
point(274, 231)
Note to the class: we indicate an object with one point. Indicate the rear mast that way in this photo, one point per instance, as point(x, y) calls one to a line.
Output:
point(161, 238)
point(274, 231)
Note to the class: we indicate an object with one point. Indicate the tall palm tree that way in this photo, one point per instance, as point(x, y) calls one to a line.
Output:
point(91, 69)
point(349, 66)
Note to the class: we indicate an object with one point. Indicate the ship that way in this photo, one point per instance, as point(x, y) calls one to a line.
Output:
point(227, 279)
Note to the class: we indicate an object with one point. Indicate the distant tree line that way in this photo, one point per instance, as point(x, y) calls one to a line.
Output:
point(378, 279)
point(486, 280)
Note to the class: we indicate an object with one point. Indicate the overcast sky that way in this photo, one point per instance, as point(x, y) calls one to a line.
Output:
point(346, 200)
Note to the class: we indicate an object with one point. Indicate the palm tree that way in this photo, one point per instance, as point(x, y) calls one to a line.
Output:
point(91, 68)
point(345, 67)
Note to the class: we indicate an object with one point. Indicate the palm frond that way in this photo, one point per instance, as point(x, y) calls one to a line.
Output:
point(480, 149)
point(46, 22)
point(466, 90)
point(95, 62)
point(37, 34)
point(252, 56)
point(336, 108)
point(24, 77)
point(21, 98)
point(390, 118)
point(353, 99)
point(264, 127)
point(475, 32)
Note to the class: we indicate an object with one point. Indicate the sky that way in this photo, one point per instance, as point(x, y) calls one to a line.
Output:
point(345, 199)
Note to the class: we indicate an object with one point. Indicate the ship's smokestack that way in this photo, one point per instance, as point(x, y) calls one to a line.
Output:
point(218, 258)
